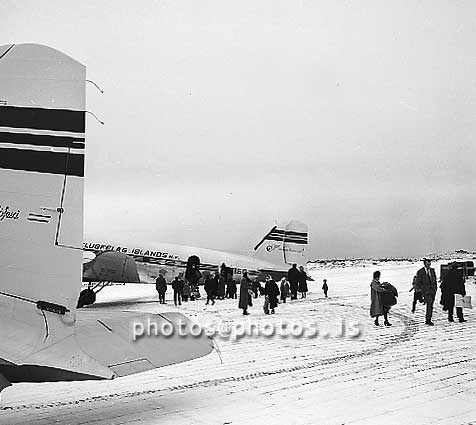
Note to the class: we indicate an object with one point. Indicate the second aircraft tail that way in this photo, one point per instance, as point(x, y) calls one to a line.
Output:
point(285, 244)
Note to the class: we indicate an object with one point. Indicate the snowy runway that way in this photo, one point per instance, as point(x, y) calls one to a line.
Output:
point(408, 373)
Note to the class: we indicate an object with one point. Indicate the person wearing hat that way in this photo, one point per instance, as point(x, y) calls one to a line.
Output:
point(426, 283)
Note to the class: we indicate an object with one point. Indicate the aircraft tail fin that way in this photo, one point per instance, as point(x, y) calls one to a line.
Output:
point(285, 244)
point(42, 125)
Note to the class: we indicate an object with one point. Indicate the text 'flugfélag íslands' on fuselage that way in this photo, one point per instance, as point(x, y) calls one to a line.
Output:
point(125, 250)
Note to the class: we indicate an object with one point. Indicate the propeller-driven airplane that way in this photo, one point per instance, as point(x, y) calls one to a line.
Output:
point(116, 262)
point(42, 147)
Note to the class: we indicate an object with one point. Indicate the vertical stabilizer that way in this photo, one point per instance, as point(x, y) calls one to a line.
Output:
point(42, 125)
point(285, 245)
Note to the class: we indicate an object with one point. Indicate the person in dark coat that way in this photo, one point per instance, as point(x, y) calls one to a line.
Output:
point(245, 293)
point(215, 281)
point(161, 287)
point(284, 289)
point(222, 286)
point(293, 278)
point(302, 283)
point(325, 288)
point(453, 283)
point(377, 307)
point(426, 284)
point(211, 284)
point(231, 289)
point(193, 276)
point(177, 286)
point(271, 291)
point(230, 284)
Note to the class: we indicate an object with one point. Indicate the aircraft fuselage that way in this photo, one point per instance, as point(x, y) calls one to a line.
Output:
point(171, 260)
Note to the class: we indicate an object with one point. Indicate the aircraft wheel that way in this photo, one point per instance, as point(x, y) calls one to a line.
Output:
point(86, 297)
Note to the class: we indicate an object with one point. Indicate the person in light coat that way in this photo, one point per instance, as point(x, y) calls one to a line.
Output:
point(377, 308)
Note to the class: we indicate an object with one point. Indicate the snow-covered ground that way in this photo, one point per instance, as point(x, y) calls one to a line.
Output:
point(405, 374)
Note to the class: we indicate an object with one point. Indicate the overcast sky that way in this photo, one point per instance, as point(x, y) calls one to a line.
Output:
point(356, 117)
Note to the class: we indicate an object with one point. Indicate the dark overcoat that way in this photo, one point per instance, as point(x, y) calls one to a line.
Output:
point(271, 290)
point(302, 286)
point(210, 286)
point(245, 287)
point(284, 289)
point(178, 285)
point(293, 276)
point(161, 285)
point(453, 283)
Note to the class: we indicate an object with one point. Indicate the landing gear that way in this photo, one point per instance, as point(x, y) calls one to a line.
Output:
point(88, 296)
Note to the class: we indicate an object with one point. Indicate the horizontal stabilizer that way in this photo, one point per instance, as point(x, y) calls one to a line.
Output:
point(138, 342)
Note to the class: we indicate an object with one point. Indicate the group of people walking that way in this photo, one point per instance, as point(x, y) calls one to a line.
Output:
point(271, 291)
point(425, 288)
point(221, 285)
point(295, 282)
point(383, 295)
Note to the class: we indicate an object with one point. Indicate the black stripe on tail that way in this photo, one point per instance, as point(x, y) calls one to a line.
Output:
point(42, 119)
point(41, 140)
point(42, 161)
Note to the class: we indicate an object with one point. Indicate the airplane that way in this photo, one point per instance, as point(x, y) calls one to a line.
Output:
point(281, 247)
point(43, 338)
